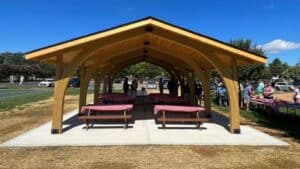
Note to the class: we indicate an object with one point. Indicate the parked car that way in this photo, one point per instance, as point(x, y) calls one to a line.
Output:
point(151, 84)
point(119, 80)
point(74, 82)
point(283, 86)
point(296, 82)
point(165, 84)
point(46, 83)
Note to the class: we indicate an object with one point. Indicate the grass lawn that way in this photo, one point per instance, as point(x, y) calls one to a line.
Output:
point(14, 123)
point(17, 97)
point(288, 123)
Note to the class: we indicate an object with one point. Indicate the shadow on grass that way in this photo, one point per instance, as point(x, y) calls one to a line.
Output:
point(287, 123)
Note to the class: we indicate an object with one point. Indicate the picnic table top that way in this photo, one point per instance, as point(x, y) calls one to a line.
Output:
point(119, 107)
point(172, 108)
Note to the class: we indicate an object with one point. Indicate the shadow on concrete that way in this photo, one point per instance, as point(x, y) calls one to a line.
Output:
point(143, 110)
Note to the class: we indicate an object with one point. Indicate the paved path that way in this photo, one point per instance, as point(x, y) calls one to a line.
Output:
point(143, 131)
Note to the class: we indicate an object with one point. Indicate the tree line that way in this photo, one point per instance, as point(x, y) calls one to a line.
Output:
point(16, 64)
point(276, 68)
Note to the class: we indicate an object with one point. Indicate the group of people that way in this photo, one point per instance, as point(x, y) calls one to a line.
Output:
point(263, 90)
point(136, 88)
point(12, 80)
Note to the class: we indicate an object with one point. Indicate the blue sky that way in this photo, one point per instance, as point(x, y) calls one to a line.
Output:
point(274, 24)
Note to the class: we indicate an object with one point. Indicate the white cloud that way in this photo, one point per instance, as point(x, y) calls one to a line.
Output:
point(278, 45)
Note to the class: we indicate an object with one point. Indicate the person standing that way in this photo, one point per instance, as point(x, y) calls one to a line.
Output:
point(11, 79)
point(268, 91)
point(241, 92)
point(198, 91)
point(134, 85)
point(260, 88)
point(161, 86)
point(125, 86)
point(297, 95)
point(21, 80)
point(171, 86)
point(222, 95)
point(247, 94)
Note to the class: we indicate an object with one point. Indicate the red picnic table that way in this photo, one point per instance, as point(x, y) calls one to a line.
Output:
point(89, 112)
point(194, 111)
point(117, 98)
point(275, 105)
point(167, 99)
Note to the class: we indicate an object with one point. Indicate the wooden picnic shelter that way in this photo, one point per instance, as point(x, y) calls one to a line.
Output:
point(183, 53)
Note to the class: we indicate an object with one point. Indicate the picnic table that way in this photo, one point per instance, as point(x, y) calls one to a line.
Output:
point(274, 105)
point(96, 112)
point(194, 111)
point(167, 99)
point(116, 98)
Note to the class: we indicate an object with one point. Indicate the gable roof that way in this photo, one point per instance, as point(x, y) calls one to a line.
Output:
point(82, 40)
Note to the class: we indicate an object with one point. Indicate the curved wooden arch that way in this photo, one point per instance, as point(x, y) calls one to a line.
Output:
point(181, 51)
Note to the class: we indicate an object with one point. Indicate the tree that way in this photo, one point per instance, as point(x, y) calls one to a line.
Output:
point(142, 70)
point(4, 71)
point(294, 71)
point(253, 72)
point(15, 63)
point(12, 58)
point(277, 68)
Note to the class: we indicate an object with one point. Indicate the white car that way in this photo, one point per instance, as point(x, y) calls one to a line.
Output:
point(47, 83)
point(283, 86)
point(151, 85)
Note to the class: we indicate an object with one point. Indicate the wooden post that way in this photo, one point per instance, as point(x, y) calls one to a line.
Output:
point(84, 82)
point(191, 89)
point(105, 84)
point(110, 84)
point(181, 85)
point(233, 95)
point(58, 100)
point(206, 89)
point(58, 104)
point(96, 88)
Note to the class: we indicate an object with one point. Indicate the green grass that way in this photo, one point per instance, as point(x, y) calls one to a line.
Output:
point(10, 103)
point(287, 123)
point(18, 101)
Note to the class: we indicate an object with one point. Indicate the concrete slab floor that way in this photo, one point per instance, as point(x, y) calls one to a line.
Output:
point(144, 131)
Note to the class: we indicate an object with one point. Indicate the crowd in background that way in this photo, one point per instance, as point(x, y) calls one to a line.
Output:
point(264, 90)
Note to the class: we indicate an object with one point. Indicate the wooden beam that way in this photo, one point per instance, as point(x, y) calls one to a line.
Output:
point(105, 83)
point(59, 67)
point(84, 81)
point(182, 35)
point(58, 98)
point(99, 38)
point(234, 98)
point(204, 77)
point(97, 79)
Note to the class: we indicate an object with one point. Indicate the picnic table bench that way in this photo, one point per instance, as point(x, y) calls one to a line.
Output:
point(89, 112)
point(162, 110)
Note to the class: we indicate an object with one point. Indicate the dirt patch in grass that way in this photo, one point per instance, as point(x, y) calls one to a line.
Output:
point(18, 121)
point(287, 96)
point(125, 157)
